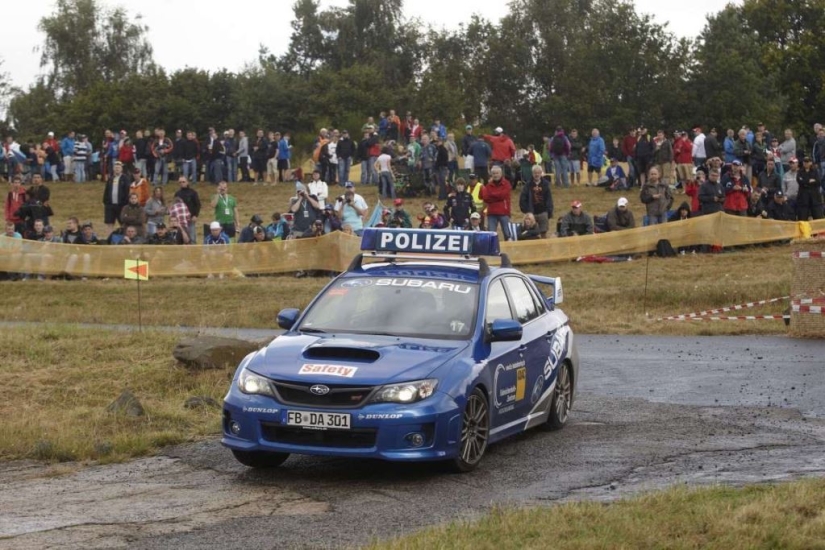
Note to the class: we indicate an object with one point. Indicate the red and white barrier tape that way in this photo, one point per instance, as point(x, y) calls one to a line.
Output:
point(808, 255)
point(808, 302)
point(702, 314)
point(736, 318)
point(820, 310)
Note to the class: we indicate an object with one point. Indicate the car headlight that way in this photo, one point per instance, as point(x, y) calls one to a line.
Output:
point(249, 382)
point(408, 392)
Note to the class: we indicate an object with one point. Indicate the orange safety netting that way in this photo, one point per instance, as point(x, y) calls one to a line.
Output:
point(335, 251)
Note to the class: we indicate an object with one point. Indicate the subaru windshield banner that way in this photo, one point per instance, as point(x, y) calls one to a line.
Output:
point(430, 241)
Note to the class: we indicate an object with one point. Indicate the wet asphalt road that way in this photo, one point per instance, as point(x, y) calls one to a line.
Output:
point(651, 412)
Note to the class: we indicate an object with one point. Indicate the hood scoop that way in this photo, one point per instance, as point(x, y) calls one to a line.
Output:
point(342, 353)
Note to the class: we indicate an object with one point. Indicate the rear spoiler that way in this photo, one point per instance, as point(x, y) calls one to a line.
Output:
point(557, 296)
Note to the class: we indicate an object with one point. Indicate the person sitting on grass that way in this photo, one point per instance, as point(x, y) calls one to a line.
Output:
point(278, 230)
point(162, 236)
point(576, 222)
point(88, 231)
point(616, 178)
point(131, 236)
point(216, 234)
point(780, 209)
point(620, 217)
point(527, 230)
point(399, 217)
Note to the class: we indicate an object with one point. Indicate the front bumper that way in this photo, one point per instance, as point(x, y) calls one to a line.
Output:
point(382, 431)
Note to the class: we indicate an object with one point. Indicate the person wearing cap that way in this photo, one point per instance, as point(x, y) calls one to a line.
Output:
point(82, 152)
point(656, 197)
point(496, 197)
point(699, 152)
point(431, 213)
point(318, 187)
point(115, 196)
point(305, 208)
point(459, 206)
point(481, 151)
point(139, 186)
point(49, 235)
point(248, 233)
point(576, 222)
point(620, 217)
point(503, 148)
point(88, 232)
point(809, 200)
point(536, 198)
point(162, 236)
point(216, 234)
point(399, 216)
point(475, 222)
point(779, 209)
point(787, 149)
point(737, 190)
point(226, 209)
point(467, 141)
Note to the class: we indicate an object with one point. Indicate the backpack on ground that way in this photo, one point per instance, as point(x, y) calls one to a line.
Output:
point(664, 249)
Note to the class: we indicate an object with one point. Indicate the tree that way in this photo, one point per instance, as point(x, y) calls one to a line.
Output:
point(86, 43)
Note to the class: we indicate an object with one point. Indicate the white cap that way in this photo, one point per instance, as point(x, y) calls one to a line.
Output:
point(475, 216)
point(622, 202)
point(499, 130)
point(215, 225)
point(51, 134)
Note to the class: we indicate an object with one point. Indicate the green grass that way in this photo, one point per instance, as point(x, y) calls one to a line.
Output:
point(787, 516)
point(58, 381)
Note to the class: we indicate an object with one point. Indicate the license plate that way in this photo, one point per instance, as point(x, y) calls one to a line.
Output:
point(309, 419)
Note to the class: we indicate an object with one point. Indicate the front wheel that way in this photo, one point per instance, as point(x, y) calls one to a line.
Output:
point(260, 459)
point(562, 398)
point(475, 431)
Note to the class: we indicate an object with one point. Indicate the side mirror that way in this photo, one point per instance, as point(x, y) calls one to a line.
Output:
point(505, 330)
point(287, 317)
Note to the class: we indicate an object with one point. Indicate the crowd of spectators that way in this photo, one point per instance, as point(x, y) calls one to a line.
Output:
point(746, 173)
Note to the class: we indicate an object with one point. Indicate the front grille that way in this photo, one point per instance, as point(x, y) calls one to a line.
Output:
point(338, 396)
point(291, 435)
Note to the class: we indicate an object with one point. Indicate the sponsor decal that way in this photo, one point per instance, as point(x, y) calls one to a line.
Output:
point(504, 391)
point(558, 351)
point(379, 416)
point(356, 283)
point(537, 389)
point(337, 292)
point(521, 383)
point(328, 370)
point(421, 283)
point(417, 347)
point(260, 410)
point(425, 241)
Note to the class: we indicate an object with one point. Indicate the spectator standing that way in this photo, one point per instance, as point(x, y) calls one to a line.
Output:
point(259, 156)
point(132, 214)
point(809, 200)
point(737, 190)
point(790, 185)
point(67, 151)
point(306, 209)
point(383, 166)
point(787, 149)
point(161, 149)
point(779, 209)
point(329, 158)
point(576, 149)
point(595, 156)
point(537, 199)
point(496, 196)
point(345, 151)
point(629, 154)
point(452, 157)
point(480, 151)
point(467, 141)
point(365, 147)
point(713, 149)
point(699, 153)
point(351, 209)
point(226, 209)
point(140, 187)
point(503, 148)
point(155, 209)
point(230, 149)
point(187, 219)
point(683, 155)
point(82, 153)
point(742, 152)
point(663, 156)
point(115, 196)
point(14, 157)
point(769, 181)
point(40, 193)
point(142, 152)
point(393, 132)
point(644, 154)
point(189, 150)
point(459, 206)
point(243, 156)
point(656, 197)
point(559, 149)
point(728, 145)
point(759, 154)
point(441, 168)
point(819, 152)
point(318, 187)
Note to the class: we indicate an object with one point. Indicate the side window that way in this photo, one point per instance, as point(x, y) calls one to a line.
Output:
point(523, 301)
point(541, 307)
point(497, 305)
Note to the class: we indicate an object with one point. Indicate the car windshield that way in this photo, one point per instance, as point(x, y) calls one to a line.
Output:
point(395, 306)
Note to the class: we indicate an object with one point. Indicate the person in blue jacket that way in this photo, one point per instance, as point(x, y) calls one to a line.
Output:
point(595, 156)
point(67, 152)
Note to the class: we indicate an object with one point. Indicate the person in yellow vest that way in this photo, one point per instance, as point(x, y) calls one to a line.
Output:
point(474, 188)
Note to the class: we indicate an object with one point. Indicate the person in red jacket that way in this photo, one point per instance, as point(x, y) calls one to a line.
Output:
point(502, 145)
point(683, 155)
point(629, 154)
point(14, 201)
point(692, 190)
point(496, 195)
point(737, 191)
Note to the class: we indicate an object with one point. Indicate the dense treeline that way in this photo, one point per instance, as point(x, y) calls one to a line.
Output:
point(585, 63)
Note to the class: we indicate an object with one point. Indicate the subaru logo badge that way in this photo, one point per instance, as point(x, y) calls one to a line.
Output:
point(319, 389)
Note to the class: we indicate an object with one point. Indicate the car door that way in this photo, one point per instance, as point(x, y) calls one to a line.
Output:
point(506, 362)
point(534, 342)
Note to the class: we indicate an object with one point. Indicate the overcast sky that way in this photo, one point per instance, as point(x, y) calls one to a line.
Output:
point(180, 30)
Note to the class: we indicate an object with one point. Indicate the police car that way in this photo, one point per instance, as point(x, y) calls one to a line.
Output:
point(420, 351)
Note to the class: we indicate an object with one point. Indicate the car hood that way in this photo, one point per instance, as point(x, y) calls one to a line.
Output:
point(352, 359)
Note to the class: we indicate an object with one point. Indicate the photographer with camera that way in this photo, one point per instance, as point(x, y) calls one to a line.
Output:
point(306, 209)
point(351, 209)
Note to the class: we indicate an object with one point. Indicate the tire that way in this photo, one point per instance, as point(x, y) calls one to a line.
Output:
point(260, 459)
point(475, 433)
point(562, 397)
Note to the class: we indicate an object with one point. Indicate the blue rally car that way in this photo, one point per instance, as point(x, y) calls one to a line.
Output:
point(424, 352)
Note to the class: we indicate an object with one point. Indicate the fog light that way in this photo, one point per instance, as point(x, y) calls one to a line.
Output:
point(234, 427)
point(416, 439)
